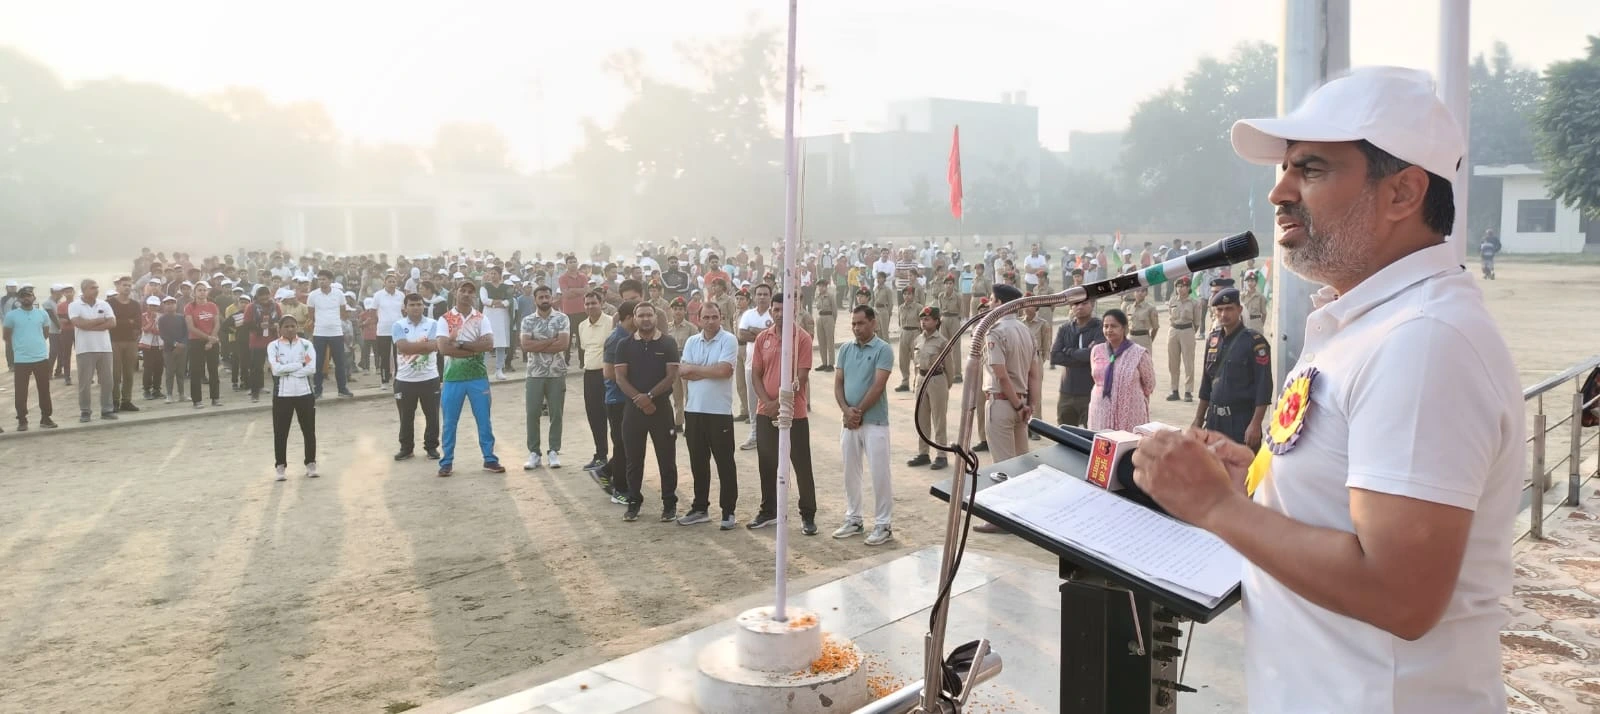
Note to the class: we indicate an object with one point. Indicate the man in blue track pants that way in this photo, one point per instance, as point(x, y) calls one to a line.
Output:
point(467, 337)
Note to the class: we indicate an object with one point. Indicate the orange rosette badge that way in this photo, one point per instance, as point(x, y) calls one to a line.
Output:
point(1289, 417)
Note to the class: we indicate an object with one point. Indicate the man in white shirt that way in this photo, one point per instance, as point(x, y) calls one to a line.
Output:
point(1379, 534)
point(92, 321)
point(416, 377)
point(1031, 266)
point(706, 368)
point(884, 264)
point(390, 303)
point(752, 323)
point(328, 311)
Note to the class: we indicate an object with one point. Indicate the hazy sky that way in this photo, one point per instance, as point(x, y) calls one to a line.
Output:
point(395, 69)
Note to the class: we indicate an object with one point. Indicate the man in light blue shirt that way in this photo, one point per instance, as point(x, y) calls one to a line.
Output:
point(27, 334)
point(706, 366)
point(863, 369)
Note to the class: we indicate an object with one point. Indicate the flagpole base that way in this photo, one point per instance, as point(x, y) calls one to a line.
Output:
point(772, 666)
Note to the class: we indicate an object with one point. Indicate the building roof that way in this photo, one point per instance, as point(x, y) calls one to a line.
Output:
point(1507, 170)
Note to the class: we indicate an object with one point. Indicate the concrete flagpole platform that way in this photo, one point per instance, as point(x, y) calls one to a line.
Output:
point(883, 610)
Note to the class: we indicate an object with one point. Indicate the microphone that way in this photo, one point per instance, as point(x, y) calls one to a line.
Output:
point(1233, 249)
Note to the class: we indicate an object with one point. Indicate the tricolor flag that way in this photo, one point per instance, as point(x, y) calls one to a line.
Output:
point(954, 175)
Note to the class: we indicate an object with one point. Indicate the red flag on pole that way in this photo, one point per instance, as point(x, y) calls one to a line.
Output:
point(955, 173)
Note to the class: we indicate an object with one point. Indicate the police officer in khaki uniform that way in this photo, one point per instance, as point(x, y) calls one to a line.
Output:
point(883, 302)
point(1254, 302)
point(980, 306)
point(826, 320)
point(949, 303)
point(982, 283)
point(934, 408)
point(1236, 387)
point(1013, 392)
point(681, 329)
point(1039, 327)
point(1184, 313)
point(658, 298)
point(910, 326)
point(1144, 322)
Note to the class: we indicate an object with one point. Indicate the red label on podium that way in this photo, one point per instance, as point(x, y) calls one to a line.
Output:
point(1108, 449)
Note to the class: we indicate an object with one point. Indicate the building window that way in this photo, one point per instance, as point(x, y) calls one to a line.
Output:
point(1536, 216)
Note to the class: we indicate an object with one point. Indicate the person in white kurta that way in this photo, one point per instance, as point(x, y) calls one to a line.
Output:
point(498, 299)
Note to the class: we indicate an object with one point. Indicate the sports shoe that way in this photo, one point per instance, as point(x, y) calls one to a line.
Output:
point(532, 462)
point(445, 471)
point(808, 526)
point(919, 460)
point(762, 520)
point(903, 388)
point(619, 498)
point(728, 523)
point(347, 394)
point(169, 398)
point(216, 402)
point(850, 528)
point(632, 514)
point(1173, 397)
point(669, 514)
point(311, 470)
point(85, 418)
point(46, 423)
point(403, 455)
point(553, 459)
point(282, 473)
point(198, 405)
point(1188, 396)
point(22, 425)
point(595, 463)
point(493, 467)
point(500, 375)
point(694, 517)
point(880, 535)
point(127, 407)
point(108, 416)
point(748, 444)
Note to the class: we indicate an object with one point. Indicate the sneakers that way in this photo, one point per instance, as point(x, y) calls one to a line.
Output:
point(903, 387)
point(748, 444)
point(347, 394)
point(493, 467)
point(311, 470)
point(198, 405)
point(108, 416)
point(432, 454)
point(669, 514)
point(403, 455)
point(762, 520)
point(445, 471)
point(84, 418)
point(850, 528)
point(553, 459)
point(919, 460)
point(22, 425)
point(282, 473)
point(216, 402)
point(880, 535)
point(694, 518)
point(939, 464)
point(619, 498)
point(632, 514)
point(1188, 396)
point(127, 407)
point(728, 523)
point(594, 463)
point(532, 462)
point(808, 526)
point(46, 423)
point(500, 375)
point(169, 398)
point(1173, 397)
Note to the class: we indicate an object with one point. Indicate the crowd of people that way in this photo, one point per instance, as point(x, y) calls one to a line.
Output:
point(683, 340)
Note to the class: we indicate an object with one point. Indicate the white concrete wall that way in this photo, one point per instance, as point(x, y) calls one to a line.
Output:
point(1565, 239)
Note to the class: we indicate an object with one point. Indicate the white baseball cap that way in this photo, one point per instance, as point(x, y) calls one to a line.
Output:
point(283, 294)
point(1393, 108)
point(153, 300)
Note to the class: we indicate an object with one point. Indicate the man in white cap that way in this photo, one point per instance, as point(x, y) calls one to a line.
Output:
point(1378, 528)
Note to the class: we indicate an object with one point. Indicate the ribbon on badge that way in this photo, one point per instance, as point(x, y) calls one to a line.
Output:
point(1289, 416)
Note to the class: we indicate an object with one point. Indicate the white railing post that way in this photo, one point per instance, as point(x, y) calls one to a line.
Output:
point(1575, 455)
point(1536, 508)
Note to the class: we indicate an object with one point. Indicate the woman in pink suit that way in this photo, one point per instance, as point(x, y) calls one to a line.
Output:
point(1124, 378)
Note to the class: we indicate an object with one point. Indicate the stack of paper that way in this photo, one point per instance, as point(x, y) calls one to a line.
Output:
point(1175, 556)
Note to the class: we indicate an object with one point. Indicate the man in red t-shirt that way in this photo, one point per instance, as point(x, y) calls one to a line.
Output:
point(574, 285)
point(766, 367)
point(205, 343)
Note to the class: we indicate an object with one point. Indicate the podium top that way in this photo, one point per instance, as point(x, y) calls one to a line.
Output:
point(1084, 564)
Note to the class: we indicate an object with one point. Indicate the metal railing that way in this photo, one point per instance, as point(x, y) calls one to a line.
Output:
point(1539, 477)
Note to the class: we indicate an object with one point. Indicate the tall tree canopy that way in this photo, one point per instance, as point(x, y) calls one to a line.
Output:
point(1567, 127)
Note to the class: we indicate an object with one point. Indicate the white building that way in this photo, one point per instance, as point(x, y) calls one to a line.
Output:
point(1531, 221)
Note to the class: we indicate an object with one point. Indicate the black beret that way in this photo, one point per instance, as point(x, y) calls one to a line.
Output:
point(1225, 296)
point(1222, 282)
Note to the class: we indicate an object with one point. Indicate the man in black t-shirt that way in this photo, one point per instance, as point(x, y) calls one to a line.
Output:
point(645, 369)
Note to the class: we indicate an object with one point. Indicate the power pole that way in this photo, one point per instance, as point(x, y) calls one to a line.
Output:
point(1315, 48)
point(1454, 22)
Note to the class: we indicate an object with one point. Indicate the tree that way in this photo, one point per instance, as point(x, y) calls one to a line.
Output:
point(470, 147)
point(1177, 159)
point(1567, 130)
point(1503, 97)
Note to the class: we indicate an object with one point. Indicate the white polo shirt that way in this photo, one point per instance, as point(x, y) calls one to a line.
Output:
point(390, 307)
point(757, 321)
point(325, 311)
point(89, 341)
point(709, 396)
point(1415, 395)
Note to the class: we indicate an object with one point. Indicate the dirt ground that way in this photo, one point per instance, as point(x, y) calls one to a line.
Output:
point(157, 567)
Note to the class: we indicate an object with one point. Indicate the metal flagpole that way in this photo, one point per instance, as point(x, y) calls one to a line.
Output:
point(791, 216)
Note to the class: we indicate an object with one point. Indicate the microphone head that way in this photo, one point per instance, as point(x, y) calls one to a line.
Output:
point(1233, 249)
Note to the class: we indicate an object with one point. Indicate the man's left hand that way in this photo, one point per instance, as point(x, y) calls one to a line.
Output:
point(1252, 436)
point(1182, 475)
